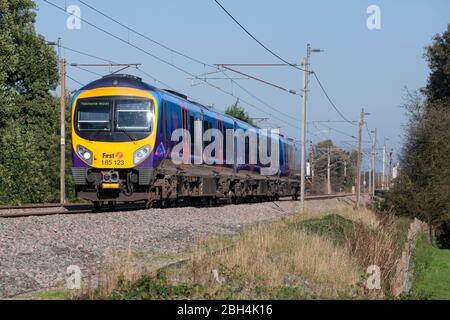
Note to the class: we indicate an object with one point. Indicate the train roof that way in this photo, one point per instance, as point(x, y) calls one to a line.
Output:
point(119, 80)
point(131, 81)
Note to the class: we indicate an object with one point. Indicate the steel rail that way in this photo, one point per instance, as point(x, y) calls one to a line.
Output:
point(82, 208)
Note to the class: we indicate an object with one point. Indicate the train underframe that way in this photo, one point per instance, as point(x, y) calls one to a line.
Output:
point(161, 189)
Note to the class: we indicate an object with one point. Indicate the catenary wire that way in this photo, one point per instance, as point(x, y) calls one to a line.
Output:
point(168, 63)
point(183, 55)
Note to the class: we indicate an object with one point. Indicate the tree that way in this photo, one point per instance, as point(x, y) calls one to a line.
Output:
point(438, 57)
point(343, 163)
point(28, 112)
point(238, 112)
point(423, 187)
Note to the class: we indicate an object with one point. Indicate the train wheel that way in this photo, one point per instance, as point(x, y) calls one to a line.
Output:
point(111, 205)
point(97, 206)
point(164, 203)
point(212, 201)
point(197, 202)
point(149, 204)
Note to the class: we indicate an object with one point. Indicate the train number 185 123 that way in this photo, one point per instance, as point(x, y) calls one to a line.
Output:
point(112, 162)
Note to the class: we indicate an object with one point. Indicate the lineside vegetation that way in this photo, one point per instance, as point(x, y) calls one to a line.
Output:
point(300, 257)
point(28, 112)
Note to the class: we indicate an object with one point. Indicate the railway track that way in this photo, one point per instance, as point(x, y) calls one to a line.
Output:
point(44, 205)
point(85, 208)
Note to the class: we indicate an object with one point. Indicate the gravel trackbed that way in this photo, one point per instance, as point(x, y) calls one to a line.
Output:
point(36, 251)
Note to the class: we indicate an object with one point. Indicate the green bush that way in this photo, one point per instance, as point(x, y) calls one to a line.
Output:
point(29, 135)
point(423, 186)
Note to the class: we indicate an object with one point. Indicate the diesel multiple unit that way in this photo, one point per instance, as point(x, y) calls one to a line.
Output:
point(122, 149)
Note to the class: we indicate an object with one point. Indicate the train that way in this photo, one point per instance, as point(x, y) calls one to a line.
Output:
point(124, 151)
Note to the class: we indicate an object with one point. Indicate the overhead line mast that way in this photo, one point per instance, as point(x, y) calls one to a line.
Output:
point(62, 103)
point(305, 65)
point(358, 163)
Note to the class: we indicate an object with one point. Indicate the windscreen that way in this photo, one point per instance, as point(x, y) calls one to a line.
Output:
point(94, 115)
point(114, 114)
point(134, 115)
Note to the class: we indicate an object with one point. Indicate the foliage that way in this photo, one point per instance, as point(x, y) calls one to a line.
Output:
point(423, 187)
point(438, 57)
point(151, 288)
point(333, 226)
point(343, 164)
point(424, 184)
point(238, 112)
point(70, 184)
point(159, 287)
point(28, 112)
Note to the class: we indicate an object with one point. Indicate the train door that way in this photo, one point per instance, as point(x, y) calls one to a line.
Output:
point(175, 120)
point(164, 131)
point(219, 153)
point(235, 153)
point(227, 154)
point(282, 159)
point(209, 122)
point(196, 135)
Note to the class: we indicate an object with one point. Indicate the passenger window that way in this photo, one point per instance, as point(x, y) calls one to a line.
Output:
point(213, 139)
point(247, 148)
point(163, 119)
point(191, 127)
point(224, 130)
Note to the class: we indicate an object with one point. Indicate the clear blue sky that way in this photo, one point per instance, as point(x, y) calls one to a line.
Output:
point(359, 68)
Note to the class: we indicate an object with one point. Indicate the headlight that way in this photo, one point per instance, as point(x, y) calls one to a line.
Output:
point(85, 154)
point(141, 154)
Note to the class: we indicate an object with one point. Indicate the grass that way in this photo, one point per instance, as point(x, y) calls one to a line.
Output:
point(306, 256)
point(332, 226)
point(52, 294)
point(432, 271)
point(276, 255)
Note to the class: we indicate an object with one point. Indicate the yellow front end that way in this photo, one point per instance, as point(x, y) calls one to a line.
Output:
point(113, 155)
point(109, 163)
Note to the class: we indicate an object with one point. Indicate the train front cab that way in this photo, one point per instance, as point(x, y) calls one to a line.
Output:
point(114, 133)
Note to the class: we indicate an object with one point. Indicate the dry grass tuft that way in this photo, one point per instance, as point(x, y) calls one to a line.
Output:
point(377, 246)
point(123, 268)
point(270, 255)
point(276, 254)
